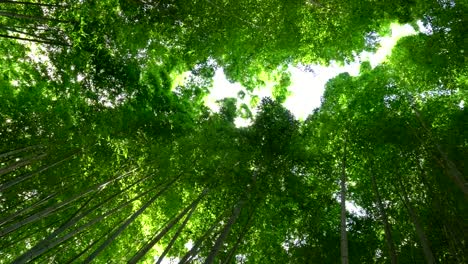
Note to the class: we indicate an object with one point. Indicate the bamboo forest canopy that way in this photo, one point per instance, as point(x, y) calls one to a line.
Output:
point(106, 158)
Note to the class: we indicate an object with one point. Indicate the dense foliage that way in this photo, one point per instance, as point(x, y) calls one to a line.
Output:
point(105, 158)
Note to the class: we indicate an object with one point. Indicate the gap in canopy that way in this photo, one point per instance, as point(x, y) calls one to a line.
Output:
point(307, 81)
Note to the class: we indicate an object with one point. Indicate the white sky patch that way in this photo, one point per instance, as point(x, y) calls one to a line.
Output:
point(351, 206)
point(241, 258)
point(307, 87)
point(293, 241)
point(242, 122)
point(36, 54)
point(39, 56)
point(189, 245)
point(387, 43)
point(355, 209)
point(169, 260)
point(79, 77)
point(222, 88)
point(425, 29)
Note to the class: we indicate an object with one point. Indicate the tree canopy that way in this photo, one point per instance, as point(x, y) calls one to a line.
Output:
point(106, 158)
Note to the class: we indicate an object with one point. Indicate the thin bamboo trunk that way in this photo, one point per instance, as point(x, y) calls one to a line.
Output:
point(453, 171)
point(174, 238)
point(73, 260)
point(29, 3)
point(168, 221)
point(428, 255)
point(452, 240)
point(21, 163)
point(87, 248)
point(192, 208)
point(344, 235)
point(27, 209)
point(42, 27)
point(46, 212)
point(17, 180)
point(15, 15)
point(14, 30)
point(219, 241)
point(36, 40)
point(17, 151)
point(453, 247)
point(451, 168)
point(233, 250)
point(29, 255)
point(27, 234)
point(58, 241)
point(196, 246)
point(130, 220)
point(387, 226)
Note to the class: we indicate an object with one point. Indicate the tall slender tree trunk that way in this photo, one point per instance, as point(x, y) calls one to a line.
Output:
point(453, 171)
point(29, 3)
point(44, 213)
point(14, 30)
point(344, 235)
point(27, 234)
point(17, 180)
point(36, 40)
point(27, 209)
point(428, 255)
point(450, 167)
point(29, 255)
point(453, 247)
point(104, 234)
point(36, 18)
point(21, 163)
point(130, 220)
point(77, 218)
point(17, 151)
point(453, 241)
point(196, 246)
point(245, 229)
point(88, 247)
point(192, 208)
point(387, 226)
point(41, 27)
point(219, 241)
point(54, 242)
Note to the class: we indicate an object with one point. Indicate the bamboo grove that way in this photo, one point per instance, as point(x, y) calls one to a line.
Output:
point(106, 158)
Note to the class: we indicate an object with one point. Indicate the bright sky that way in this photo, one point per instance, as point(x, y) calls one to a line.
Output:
point(307, 87)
